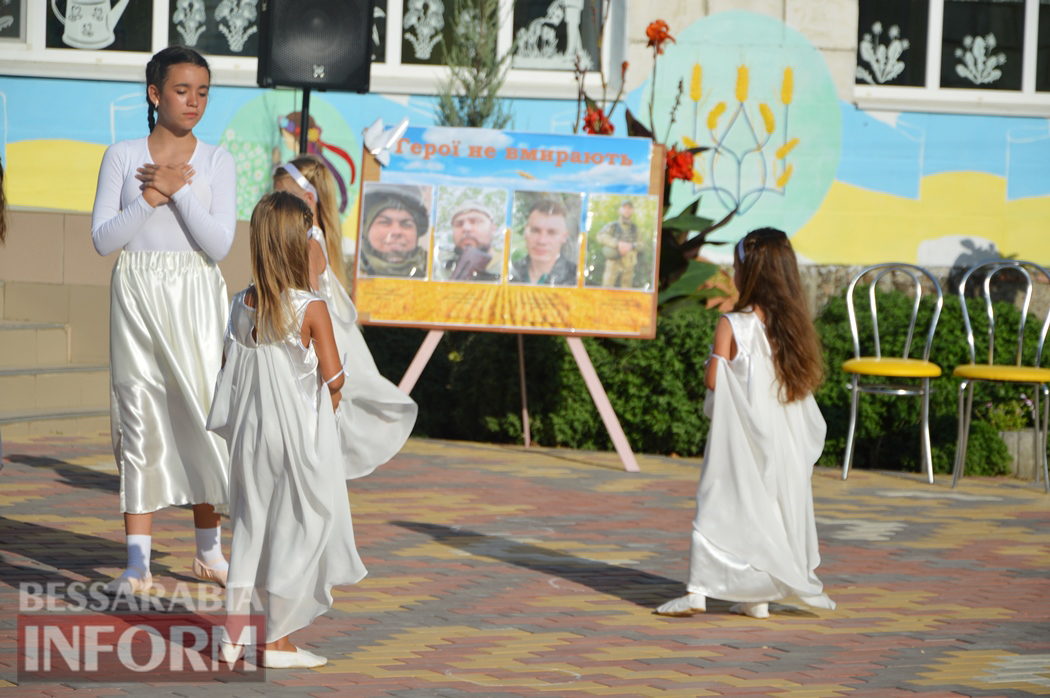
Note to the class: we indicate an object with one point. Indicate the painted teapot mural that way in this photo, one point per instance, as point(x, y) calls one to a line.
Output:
point(89, 23)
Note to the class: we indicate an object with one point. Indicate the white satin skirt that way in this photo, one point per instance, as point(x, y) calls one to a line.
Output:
point(375, 418)
point(168, 312)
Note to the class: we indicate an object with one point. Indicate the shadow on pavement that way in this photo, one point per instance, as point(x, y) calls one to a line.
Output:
point(630, 584)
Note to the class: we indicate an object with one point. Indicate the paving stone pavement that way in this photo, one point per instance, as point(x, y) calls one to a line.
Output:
point(503, 571)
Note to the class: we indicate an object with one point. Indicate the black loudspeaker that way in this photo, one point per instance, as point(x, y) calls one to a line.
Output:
point(315, 44)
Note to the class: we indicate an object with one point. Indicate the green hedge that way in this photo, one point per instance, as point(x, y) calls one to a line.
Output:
point(470, 390)
point(471, 387)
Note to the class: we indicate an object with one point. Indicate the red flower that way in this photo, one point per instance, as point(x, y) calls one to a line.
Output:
point(679, 164)
point(659, 34)
point(596, 122)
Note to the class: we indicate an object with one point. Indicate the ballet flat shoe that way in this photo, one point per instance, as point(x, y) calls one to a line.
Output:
point(207, 574)
point(688, 605)
point(754, 610)
point(124, 586)
point(230, 653)
point(299, 659)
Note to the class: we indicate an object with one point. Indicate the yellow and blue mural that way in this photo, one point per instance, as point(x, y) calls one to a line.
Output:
point(850, 186)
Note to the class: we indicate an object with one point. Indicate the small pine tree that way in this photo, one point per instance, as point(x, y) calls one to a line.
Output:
point(470, 96)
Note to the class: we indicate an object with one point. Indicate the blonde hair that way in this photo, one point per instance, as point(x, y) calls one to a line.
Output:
point(769, 279)
point(280, 258)
point(318, 174)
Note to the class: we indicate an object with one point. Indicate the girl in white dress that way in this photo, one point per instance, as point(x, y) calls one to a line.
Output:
point(376, 418)
point(754, 537)
point(168, 203)
point(293, 538)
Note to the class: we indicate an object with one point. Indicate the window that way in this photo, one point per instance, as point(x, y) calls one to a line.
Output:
point(12, 20)
point(549, 34)
point(546, 35)
point(111, 39)
point(215, 27)
point(100, 26)
point(979, 56)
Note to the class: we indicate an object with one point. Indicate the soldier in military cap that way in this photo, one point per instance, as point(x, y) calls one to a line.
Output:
point(473, 231)
point(395, 219)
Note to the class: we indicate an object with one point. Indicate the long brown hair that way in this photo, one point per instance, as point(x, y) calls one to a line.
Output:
point(769, 279)
point(318, 174)
point(280, 260)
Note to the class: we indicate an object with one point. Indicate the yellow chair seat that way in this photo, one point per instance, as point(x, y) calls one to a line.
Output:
point(895, 367)
point(998, 372)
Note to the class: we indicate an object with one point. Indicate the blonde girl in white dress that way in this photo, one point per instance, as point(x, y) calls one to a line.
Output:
point(275, 400)
point(376, 418)
point(754, 538)
point(167, 202)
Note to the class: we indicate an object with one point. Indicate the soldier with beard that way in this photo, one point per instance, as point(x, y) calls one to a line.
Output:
point(473, 230)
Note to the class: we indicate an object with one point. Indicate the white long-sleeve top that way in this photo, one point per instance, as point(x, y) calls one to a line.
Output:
point(200, 216)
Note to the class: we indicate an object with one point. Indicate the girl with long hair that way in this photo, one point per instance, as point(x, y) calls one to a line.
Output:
point(167, 202)
point(376, 418)
point(293, 538)
point(754, 538)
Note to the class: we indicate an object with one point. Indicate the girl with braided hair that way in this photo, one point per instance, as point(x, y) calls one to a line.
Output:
point(167, 203)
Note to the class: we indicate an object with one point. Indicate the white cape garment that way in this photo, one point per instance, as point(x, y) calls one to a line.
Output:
point(754, 536)
point(293, 538)
point(375, 418)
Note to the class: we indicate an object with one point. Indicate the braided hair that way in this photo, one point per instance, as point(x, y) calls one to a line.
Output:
point(157, 71)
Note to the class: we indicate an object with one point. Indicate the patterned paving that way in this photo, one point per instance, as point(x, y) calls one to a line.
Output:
point(500, 571)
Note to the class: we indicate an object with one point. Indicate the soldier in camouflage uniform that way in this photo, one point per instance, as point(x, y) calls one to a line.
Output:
point(619, 241)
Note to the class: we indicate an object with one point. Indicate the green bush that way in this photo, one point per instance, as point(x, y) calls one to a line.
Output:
point(471, 388)
point(888, 427)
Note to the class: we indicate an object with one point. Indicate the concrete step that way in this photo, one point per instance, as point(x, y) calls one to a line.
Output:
point(33, 343)
point(31, 389)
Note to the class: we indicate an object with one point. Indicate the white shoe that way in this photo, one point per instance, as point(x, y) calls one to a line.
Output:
point(688, 605)
point(138, 582)
point(299, 659)
point(230, 653)
point(755, 610)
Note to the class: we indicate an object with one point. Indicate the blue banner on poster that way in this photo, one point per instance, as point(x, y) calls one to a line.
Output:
point(513, 160)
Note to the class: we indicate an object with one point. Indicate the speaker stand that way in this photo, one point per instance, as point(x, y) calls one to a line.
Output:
point(304, 122)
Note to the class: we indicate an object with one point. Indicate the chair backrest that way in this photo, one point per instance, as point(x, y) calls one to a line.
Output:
point(875, 273)
point(995, 269)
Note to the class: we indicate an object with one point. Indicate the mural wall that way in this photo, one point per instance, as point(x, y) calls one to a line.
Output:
point(850, 186)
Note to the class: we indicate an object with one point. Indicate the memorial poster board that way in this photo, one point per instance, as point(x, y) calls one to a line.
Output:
point(478, 229)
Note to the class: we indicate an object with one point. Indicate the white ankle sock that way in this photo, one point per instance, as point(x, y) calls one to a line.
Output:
point(138, 555)
point(209, 547)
